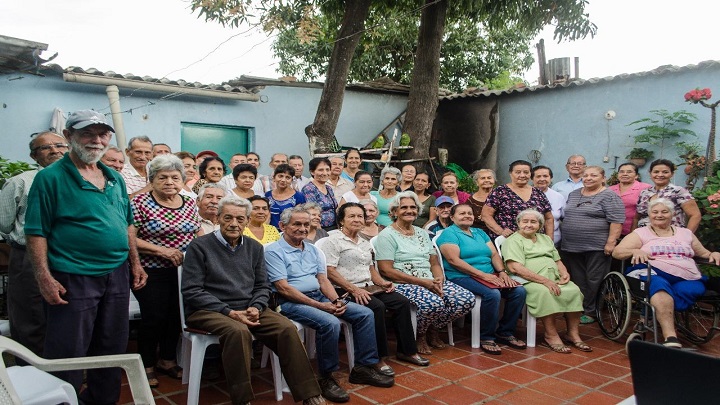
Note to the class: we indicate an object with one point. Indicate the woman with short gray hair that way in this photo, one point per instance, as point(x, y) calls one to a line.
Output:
point(390, 178)
point(166, 223)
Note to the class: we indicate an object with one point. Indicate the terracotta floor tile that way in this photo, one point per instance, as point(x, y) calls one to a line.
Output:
point(516, 374)
point(451, 370)
point(619, 388)
point(208, 395)
point(480, 361)
point(558, 388)
point(487, 384)
point(418, 400)
point(528, 396)
point(511, 356)
point(618, 359)
point(450, 353)
point(542, 366)
point(384, 395)
point(569, 360)
point(456, 394)
point(598, 398)
point(604, 343)
point(419, 381)
point(607, 369)
point(583, 377)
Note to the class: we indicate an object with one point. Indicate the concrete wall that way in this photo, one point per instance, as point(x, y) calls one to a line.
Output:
point(564, 121)
point(26, 106)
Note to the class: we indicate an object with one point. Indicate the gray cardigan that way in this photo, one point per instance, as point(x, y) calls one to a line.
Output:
point(215, 278)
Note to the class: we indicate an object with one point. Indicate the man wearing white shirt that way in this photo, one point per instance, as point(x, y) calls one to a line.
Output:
point(299, 181)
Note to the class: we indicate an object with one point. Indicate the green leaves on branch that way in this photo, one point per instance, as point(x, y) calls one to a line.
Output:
point(663, 127)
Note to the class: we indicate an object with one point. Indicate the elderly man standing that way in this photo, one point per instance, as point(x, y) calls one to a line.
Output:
point(139, 153)
point(228, 181)
point(299, 181)
point(226, 292)
point(575, 167)
point(114, 158)
point(82, 246)
point(25, 304)
point(208, 198)
point(298, 273)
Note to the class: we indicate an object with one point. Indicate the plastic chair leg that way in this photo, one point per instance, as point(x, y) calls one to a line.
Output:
point(475, 315)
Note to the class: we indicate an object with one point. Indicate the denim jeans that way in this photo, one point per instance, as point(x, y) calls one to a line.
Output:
point(490, 309)
point(327, 331)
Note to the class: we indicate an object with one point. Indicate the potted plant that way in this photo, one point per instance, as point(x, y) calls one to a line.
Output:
point(639, 156)
point(663, 128)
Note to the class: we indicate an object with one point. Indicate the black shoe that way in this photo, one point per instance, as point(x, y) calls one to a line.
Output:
point(368, 375)
point(415, 359)
point(332, 391)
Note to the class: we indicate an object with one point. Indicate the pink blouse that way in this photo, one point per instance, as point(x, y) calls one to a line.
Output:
point(630, 199)
point(671, 254)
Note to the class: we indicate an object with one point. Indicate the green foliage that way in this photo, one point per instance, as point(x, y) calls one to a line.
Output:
point(663, 127)
point(465, 180)
point(9, 169)
point(708, 199)
point(640, 153)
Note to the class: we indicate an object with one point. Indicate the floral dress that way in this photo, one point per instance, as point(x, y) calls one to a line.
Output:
point(678, 195)
point(326, 202)
point(508, 204)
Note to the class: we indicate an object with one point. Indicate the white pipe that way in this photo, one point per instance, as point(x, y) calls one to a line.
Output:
point(114, 97)
point(161, 87)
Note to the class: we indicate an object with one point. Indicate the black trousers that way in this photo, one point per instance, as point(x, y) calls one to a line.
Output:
point(94, 322)
point(160, 311)
point(25, 303)
point(402, 323)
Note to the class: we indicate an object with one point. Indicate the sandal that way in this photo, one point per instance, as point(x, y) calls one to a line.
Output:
point(580, 345)
point(174, 372)
point(433, 339)
point(422, 345)
point(586, 320)
point(490, 347)
point(562, 349)
point(152, 379)
point(511, 341)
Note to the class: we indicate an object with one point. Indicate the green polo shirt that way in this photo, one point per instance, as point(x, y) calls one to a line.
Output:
point(85, 227)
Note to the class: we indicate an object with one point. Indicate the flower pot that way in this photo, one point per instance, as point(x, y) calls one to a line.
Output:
point(639, 162)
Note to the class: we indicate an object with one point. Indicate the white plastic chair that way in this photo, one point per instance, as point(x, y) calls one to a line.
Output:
point(528, 320)
point(33, 385)
point(413, 311)
point(134, 308)
point(194, 344)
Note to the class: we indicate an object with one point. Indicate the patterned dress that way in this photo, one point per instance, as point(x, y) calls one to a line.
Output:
point(169, 227)
point(508, 204)
point(678, 195)
point(278, 206)
point(326, 202)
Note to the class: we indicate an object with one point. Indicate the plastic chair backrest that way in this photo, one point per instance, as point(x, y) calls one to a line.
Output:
point(498, 244)
point(180, 298)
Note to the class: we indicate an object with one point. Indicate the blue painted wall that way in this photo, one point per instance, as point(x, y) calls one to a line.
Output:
point(560, 122)
point(26, 106)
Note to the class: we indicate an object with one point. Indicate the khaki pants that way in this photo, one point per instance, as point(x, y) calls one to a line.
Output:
point(276, 332)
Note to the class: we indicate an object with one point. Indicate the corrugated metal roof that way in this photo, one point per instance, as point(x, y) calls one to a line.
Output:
point(382, 85)
point(662, 70)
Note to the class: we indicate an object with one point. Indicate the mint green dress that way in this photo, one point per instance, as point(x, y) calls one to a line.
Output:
point(540, 257)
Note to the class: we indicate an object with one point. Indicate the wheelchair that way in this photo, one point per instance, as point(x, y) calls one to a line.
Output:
point(620, 297)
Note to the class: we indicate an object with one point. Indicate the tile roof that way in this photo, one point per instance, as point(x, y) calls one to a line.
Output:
point(662, 70)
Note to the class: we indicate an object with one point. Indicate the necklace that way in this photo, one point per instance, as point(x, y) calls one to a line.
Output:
point(672, 230)
point(403, 231)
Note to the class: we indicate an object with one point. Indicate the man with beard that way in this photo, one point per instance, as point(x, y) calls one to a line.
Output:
point(209, 197)
point(25, 304)
point(82, 245)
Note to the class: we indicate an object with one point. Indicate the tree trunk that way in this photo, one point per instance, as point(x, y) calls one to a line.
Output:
point(423, 99)
point(321, 132)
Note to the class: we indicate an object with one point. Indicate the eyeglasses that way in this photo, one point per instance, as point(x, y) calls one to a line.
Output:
point(575, 164)
point(51, 146)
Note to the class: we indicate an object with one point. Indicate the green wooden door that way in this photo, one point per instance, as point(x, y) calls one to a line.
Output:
point(224, 140)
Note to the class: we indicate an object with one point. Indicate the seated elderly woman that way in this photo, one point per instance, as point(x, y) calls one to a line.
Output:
point(406, 256)
point(351, 269)
point(676, 281)
point(532, 256)
point(471, 261)
point(257, 227)
point(166, 223)
point(371, 228)
point(316, 231)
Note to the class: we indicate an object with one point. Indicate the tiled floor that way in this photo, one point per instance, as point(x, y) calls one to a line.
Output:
point(462, 375)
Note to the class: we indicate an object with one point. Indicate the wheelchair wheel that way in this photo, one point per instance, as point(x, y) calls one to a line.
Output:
point(699, 323)
point(613, 306)
point(633, 336)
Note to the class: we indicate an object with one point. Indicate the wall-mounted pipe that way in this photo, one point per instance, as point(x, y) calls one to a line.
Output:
point(160, 87)
point(114, 97)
